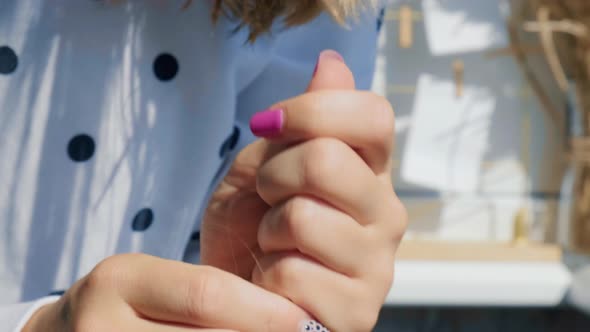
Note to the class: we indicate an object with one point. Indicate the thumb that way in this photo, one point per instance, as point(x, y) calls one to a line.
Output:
point(331, 72)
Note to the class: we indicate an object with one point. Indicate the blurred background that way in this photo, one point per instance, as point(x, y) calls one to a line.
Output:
point(492, 101)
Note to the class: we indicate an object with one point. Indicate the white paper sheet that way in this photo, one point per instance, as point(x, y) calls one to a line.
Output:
point(448, 136)
point(458, 26)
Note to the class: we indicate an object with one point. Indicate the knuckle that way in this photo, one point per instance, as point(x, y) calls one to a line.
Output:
point(385, 277)
point(397, 221)
point(109, 271)
point(103, 274)
point(287, 276)
point(298, 211)
point(363, 313)
point(366, 310)
point(401, 221)
point(383, 119)
point(364, 320)
point(203, 294)
point(323, 155)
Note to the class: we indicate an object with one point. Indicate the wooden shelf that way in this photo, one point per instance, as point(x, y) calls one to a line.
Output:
point(477, 251)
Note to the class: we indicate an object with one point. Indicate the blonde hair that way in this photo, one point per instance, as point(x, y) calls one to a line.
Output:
point(259, 15)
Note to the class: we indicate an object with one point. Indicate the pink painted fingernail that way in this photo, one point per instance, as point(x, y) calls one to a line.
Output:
point(327, 54)
point(267, 123)
point(312, 325)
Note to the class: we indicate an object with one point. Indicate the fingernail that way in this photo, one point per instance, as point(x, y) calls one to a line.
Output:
point(312, 325)
point(327, 54)
point(267, 123)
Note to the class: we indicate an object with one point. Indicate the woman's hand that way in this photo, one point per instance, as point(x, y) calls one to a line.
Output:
point(330, 236)
point(135, 292)
point(314, 202)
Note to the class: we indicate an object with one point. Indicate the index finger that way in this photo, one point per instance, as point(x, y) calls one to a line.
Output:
point(361, 119)
point(202, 296)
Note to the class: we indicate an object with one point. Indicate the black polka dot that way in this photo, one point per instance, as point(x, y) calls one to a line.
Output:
point(81, 148)
point(196, 236)
point(57, 292)
point(230, 143)
point(165, 67)
point(8, 60)
point(143, 220)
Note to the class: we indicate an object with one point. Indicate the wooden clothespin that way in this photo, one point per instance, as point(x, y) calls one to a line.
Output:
point(406, 17)
point(521, 236)
point(459, 75)
point(406, 27)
